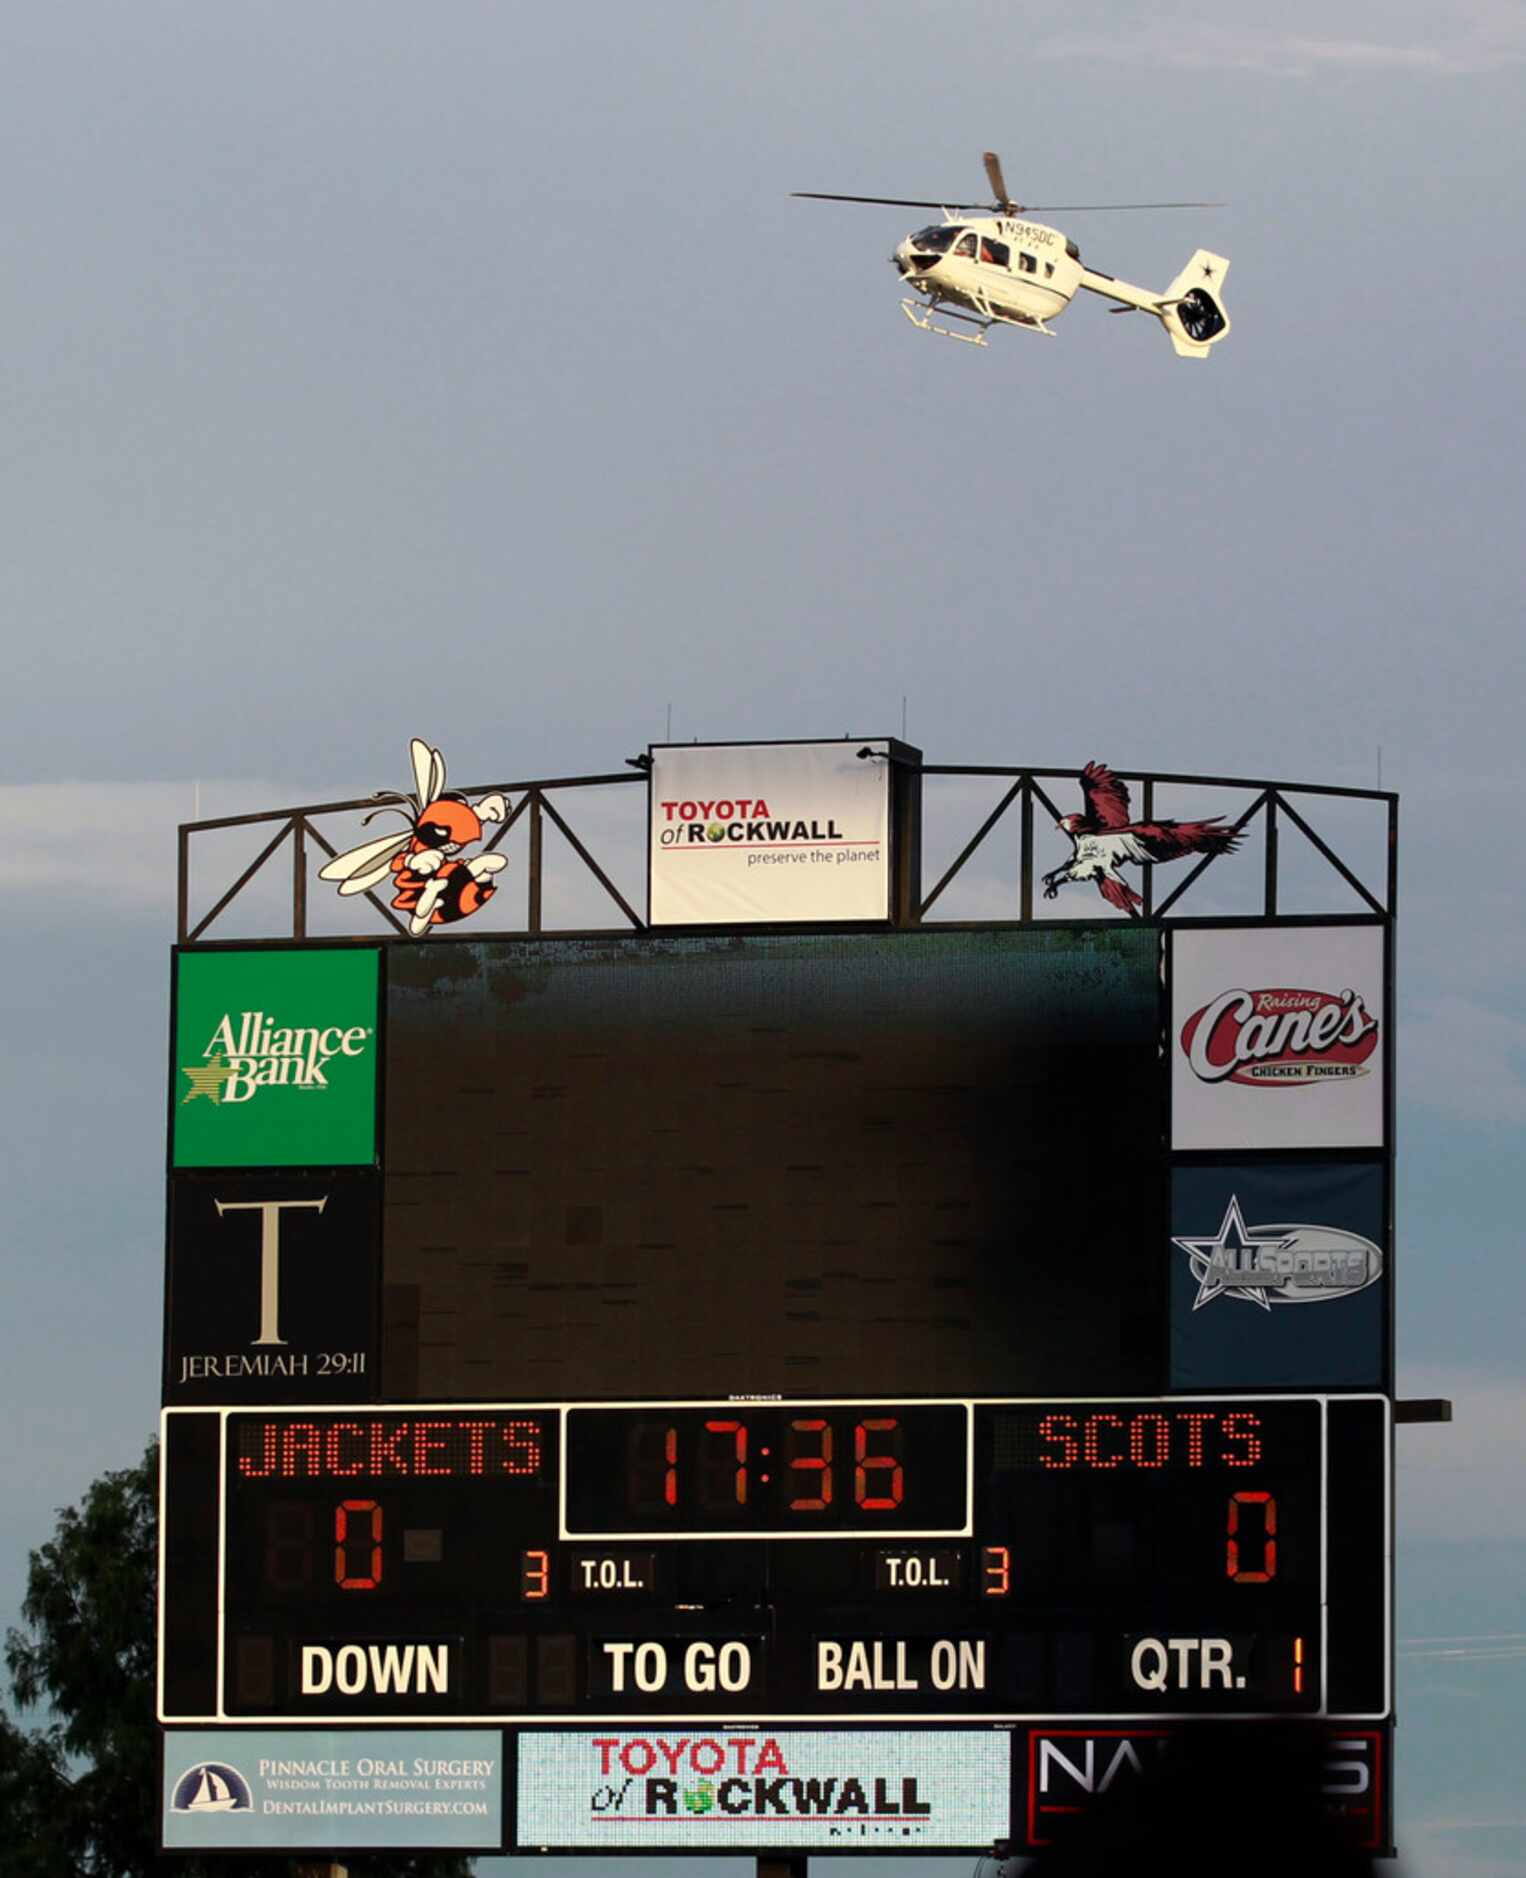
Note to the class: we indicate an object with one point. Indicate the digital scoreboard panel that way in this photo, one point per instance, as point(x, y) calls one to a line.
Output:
point(629, 1400)
point(805, 1560)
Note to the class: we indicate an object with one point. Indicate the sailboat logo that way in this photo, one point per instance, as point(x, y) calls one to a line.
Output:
point(212, 1787)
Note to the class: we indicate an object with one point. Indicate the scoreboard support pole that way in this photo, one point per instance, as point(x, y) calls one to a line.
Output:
point(772, 1867)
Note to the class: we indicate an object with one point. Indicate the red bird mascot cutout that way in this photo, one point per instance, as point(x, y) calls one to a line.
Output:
point(1105, 839)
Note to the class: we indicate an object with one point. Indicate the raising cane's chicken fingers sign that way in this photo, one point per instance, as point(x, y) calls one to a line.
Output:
point(1277, 1037)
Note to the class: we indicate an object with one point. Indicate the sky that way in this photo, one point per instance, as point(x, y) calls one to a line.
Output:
point(468, 371)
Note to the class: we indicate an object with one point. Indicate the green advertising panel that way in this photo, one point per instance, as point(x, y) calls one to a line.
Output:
point(275, 1059)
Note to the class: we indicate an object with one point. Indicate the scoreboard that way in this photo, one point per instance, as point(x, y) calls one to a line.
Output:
point(769, 1372)
point(871, 1561)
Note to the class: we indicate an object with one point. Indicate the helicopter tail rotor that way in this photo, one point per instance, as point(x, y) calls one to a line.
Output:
point(1192, 307)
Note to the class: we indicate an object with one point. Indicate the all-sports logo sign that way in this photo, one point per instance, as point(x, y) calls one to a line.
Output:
point(1272, 1265)
point(1277, 1037)
point(1255, 1242)
point(747, 833)
point(275, 1058)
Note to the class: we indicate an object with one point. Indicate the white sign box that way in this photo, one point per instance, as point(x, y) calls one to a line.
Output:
point(744, 833)
point(1277, 1037)
point(693, 1789)
point(230, 1790)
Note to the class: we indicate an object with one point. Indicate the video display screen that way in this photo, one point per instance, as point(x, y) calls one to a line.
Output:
point(774, 1164)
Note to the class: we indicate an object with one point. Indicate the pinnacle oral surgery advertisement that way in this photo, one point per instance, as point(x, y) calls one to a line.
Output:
point(275, 1058)
point(685, 1790)
point(246, 1789)
point(745, 833)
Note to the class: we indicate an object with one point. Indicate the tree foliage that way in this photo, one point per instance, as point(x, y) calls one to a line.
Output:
point(81, 1795)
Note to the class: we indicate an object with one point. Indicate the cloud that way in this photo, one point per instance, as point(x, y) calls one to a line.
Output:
point(1464, 1058)
point(111, 842)
point(114, 844)
point(1463, 1479)
point(1456, 42)
point(1442, 1846)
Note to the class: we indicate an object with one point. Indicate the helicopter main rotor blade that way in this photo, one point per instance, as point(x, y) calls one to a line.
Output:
point(894, 202)
point(1005, 207)
point(998, 183)
point(1108, 208)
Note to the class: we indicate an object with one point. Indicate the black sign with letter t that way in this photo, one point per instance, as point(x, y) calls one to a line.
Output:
point(272, 1288)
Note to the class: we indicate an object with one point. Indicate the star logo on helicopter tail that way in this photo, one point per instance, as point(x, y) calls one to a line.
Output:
point(1231, 1260)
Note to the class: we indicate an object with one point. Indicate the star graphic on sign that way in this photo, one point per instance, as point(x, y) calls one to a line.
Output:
point(208, 1080)
point(1233, 1236)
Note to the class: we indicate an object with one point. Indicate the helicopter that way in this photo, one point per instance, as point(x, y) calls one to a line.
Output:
point(987, 264)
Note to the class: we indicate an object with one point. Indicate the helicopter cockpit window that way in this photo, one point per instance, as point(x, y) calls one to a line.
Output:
point(966, 247)
point(1027, 262)
point(997, 252)
point(934, 240)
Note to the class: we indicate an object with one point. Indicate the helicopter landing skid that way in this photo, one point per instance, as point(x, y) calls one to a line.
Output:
point(921, 316)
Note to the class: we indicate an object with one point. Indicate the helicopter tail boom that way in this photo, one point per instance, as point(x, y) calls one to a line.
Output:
point(1190, 309)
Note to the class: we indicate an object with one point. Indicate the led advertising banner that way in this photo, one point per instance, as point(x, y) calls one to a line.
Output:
point(273, 1285)
point(1277, 1037)
point(259, 1790)
point(692, 1790)
point(1278, 1275)
point(743, 833)
point(275, 1058)
point(1063, 1771)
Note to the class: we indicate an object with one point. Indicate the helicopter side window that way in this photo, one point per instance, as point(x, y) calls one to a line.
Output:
point(1049, 270)
point(966, 247)
point(1027, 263)
point(934, 240)
point(996, 252)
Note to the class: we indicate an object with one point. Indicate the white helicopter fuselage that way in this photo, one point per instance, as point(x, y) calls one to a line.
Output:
point(1005, 269)
point(998, 267)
